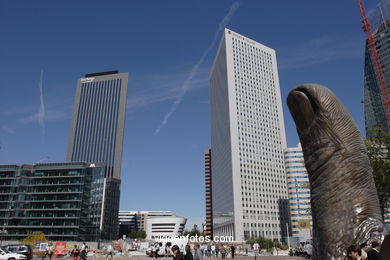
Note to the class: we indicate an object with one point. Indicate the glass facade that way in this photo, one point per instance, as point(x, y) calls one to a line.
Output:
point(298, 190)
point(97, 133)
point(64, 200)
point(374, 111)
point(98, 121)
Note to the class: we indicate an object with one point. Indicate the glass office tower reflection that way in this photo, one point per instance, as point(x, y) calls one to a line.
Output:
point(64, 200)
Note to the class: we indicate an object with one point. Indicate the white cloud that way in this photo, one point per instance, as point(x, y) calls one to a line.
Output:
point(316, 51)
point(167, 88)
point(187, 82)
point(8, 129)
point(41, 111)
point(53, 113)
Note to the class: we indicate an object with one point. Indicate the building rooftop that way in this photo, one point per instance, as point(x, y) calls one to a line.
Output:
point(101, 73)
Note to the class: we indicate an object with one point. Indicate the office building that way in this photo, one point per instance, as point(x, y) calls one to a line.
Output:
point(155, 223)
point(298, 193)
point(374, 110)
point(127, 222)
point(64, 200)
point(208, 226)
point(249, 189)
point(98, 120)
point(98, 127)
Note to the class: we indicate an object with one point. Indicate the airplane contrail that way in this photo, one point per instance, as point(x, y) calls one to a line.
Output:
point(41, 111)
point(194, 70)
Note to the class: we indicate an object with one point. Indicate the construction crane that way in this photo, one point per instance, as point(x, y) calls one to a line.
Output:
point(375, 60)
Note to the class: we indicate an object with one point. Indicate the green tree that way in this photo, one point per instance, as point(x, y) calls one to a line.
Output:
point(34, 237)
point(264, 243)
point(141, 234)
point(378, 149)
point(194, 232)
point(133, 233)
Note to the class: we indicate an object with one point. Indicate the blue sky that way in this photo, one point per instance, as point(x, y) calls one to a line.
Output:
point(159, 43)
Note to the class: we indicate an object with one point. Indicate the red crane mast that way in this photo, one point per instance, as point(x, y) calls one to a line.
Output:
point(375, 60)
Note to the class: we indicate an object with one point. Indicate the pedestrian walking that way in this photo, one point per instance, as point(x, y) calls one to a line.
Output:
point(188, 255)
point(373, 254)
point(256, 248)
point(354, 252)
point(109, 251)
point(177, 255)
point(156, 250)
point(223, 252)
point(198, 254)
point(209, 250)
point(213, 250)
point(75, 253)
point(216, 250)
point(49, 251)
point(203, 249)
point(385, 248)
point(84, 251)
point(232, 250)
point(364, 248)
point(168, 249)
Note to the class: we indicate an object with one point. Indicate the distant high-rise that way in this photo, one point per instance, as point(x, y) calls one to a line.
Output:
point(98, 120)
point(298, 193)
point(208, 229)
point(374, 110)
point(247, 141)
point(97, 133)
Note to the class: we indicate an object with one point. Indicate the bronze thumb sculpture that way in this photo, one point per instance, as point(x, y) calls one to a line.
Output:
point(344, 200)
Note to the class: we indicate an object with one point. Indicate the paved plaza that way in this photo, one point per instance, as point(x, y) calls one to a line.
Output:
point(207, 258)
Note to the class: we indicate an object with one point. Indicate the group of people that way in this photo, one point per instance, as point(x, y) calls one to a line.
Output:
point(213, 250)
point(364, 252)
point(200, 251)
point(81, 253)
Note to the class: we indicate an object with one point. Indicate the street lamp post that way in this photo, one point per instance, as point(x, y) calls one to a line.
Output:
point(288, 237)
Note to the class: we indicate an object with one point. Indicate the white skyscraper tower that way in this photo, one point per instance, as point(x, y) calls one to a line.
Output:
point(249, 192)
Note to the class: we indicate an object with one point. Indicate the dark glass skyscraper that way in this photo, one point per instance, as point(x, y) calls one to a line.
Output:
point(374, 110)
point(98, 120)
point(97, 134)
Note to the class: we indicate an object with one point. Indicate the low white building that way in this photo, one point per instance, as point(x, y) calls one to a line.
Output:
point(154, 223)
point(164, 226)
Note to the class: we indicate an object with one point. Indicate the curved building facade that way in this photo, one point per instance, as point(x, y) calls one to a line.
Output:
point(164, 226)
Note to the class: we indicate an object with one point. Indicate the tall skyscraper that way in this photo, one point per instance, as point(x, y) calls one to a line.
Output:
point(298, 193)
point(97, 133)
point(98, 120)
point(247, 141)
point(374, 110)
point(208, 230)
